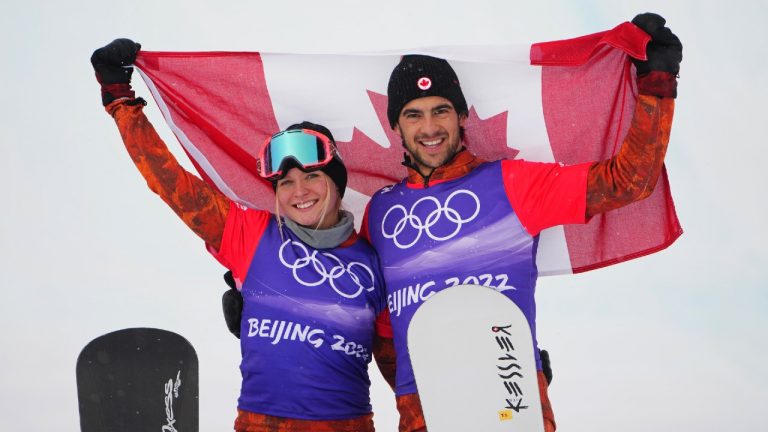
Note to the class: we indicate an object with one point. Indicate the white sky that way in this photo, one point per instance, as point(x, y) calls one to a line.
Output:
point(674, 341)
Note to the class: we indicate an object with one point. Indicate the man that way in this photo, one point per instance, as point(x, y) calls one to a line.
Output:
point(457, 217)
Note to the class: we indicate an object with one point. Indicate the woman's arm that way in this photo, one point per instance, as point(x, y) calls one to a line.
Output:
point(202, 207)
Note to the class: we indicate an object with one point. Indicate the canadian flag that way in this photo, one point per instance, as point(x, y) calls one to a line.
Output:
point(569, 101)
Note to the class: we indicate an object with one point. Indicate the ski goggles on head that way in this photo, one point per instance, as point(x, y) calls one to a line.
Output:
point(303, 148)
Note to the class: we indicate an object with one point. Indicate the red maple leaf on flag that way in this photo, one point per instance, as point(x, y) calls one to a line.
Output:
point(372, 166)
point(487, 138)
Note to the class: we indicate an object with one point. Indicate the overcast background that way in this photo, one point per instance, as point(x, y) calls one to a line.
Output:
point(673, 341)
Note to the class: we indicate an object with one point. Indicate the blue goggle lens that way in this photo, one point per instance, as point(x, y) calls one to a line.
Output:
point(302, 147)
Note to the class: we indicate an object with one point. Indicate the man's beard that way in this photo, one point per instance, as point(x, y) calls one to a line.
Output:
point(419, 162)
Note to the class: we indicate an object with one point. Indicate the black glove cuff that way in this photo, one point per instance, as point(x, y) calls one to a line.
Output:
point(546, 366)
point(137, 101)
point(110, 92)
point(657, 83)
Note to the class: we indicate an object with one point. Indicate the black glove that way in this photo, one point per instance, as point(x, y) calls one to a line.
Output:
point(658, 75)
point(664, 51)
point(108, 62)
point(546, 367)
point(232, 303)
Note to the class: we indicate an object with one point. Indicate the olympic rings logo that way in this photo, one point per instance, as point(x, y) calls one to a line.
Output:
point(310, 261)
point(409, 218)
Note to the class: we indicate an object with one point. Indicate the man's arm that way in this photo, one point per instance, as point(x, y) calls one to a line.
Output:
point(544, 195)
point(632, 174)
point(383, 344)
point(384, 354)
point(384, 348)
point(203, 208)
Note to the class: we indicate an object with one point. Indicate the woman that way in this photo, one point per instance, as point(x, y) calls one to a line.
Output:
point(312, 290)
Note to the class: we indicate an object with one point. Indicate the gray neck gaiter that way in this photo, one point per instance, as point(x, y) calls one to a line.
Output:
point(324, 238)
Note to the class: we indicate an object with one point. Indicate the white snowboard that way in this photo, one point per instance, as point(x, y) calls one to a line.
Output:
point(472, 355)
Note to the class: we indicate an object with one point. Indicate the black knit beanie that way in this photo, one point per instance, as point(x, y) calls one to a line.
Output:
point(335, 168)
point(418, 76)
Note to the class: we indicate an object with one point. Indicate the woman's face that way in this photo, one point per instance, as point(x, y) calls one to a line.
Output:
point(302, 198)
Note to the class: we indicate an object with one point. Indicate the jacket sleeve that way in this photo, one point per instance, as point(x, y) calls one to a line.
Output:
point(202, 207)
point(632, 173)
point(384, 348)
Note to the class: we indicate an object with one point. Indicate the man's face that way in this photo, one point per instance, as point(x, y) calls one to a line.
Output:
point(430, 129)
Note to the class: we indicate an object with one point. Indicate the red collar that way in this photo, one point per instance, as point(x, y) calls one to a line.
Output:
point(461, 164)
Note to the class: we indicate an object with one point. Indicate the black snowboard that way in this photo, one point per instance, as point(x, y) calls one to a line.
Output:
point(138, 379)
